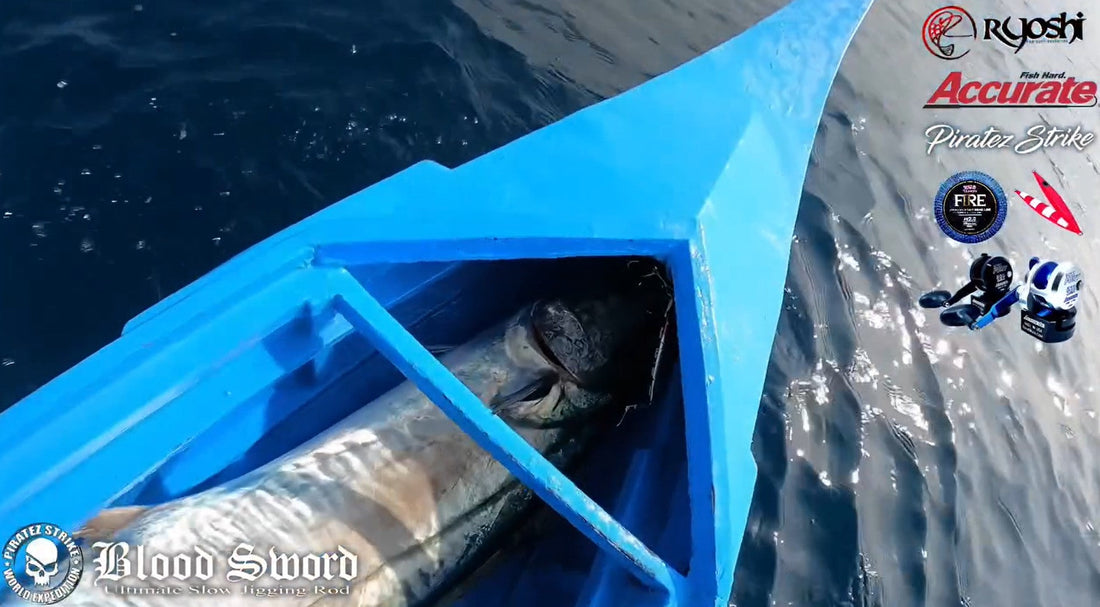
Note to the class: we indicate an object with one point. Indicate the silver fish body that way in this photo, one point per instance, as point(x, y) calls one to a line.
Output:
point(396, 484)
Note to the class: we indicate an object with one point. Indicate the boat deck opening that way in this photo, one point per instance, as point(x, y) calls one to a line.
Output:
point(634, 475)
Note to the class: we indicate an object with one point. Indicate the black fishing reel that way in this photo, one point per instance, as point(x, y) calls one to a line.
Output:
point(990, 280)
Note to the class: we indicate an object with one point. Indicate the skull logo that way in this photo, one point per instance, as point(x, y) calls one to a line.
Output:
point(41, 560)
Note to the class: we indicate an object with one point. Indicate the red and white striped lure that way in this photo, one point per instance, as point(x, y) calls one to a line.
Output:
point(1054, 208)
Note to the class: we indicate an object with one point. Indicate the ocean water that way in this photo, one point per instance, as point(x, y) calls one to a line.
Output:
point(901, 463)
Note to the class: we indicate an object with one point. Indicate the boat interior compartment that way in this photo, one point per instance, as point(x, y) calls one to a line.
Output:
point(635, 470)
point(638, 475)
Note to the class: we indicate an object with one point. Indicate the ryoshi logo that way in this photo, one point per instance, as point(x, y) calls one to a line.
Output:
point(948, 32)
point(970, 207)
point(1015, 32)
point(42, 563)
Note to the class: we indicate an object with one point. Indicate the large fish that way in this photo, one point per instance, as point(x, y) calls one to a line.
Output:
point(396, 484)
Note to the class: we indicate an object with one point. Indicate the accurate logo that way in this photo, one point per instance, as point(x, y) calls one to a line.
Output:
point(42, 563)
point(1030, 90)
point(950, 32)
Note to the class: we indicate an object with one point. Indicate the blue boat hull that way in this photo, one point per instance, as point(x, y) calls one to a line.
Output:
point(700, 169)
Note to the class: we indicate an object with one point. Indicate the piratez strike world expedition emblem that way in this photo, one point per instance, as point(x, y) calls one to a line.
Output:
point(42, 563)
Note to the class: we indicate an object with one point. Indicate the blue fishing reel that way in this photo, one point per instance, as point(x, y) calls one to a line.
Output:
point(1048, 297)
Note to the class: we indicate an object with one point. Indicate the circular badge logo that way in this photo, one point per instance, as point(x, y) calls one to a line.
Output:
point(948, 32)
point(42, 563)
point(970, 207)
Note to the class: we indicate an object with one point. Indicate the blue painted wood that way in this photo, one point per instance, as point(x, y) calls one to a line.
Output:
point(701, 167)
point(494, 435)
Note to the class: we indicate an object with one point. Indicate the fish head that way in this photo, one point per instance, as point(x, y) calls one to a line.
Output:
point(594, 349)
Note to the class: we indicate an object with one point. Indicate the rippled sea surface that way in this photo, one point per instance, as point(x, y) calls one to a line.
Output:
point(901, 463)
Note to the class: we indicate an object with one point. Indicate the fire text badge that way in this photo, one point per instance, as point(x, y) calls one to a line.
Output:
point(970, 207)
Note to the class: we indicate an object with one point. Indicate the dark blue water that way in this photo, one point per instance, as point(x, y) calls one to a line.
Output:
point(900, 464)
point(140, 146)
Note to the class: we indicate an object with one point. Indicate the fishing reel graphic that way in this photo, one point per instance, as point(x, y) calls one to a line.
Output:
point(1047, 296)
point(990, 280)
